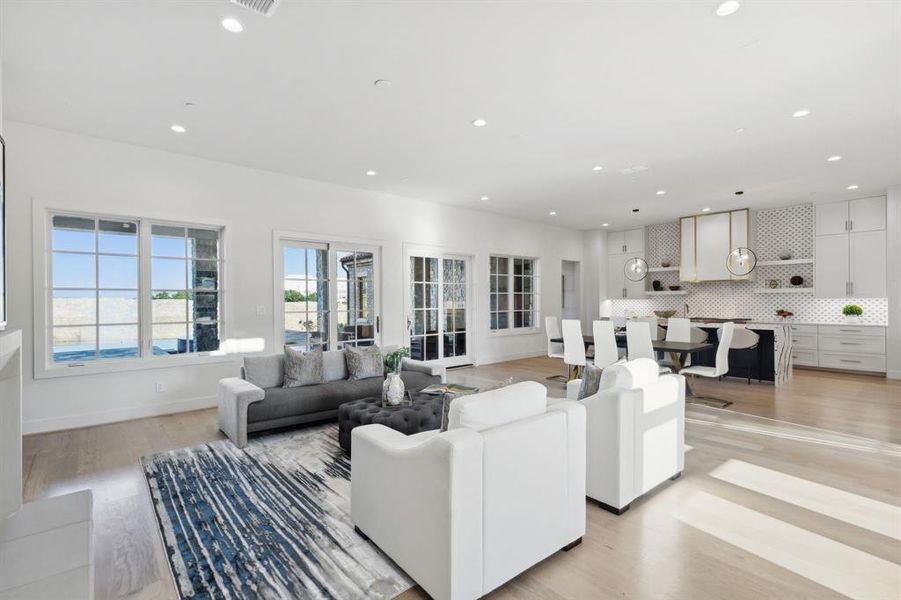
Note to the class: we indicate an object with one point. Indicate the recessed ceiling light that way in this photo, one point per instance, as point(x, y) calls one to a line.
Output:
point(853, 187)
point(834, 158)
point(705, 210)
point(484, 198)
point(382, 84)
point(800, 113)
point(178, 128)
point(661, 192)
point(371, 173)
point(605, 224)
point(727, 8)
point(480, 122)
point(232, 24)
point(597, 168)
point(740, 130)
point(553, 213)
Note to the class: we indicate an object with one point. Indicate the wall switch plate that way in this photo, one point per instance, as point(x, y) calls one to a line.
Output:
point(159, 386)
point(261, 310)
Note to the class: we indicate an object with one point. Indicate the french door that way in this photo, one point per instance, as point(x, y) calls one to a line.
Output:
point(438, 315)
point(330, 294)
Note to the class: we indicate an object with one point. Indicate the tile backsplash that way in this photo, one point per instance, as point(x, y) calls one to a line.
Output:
point(777, 230)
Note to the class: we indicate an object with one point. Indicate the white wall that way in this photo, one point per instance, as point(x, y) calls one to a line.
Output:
point(893, 275)
point(63, 170)
point(594, 279)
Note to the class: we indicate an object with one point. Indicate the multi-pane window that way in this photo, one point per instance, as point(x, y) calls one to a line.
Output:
point(356, 298)
point(306, 296)
point(184, 281)
point(97, 289)
point(513, 300)
point(94, 289)
point(454, 283)
point(425, 335)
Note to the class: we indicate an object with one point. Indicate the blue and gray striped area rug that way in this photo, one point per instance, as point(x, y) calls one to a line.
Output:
point(271, 520)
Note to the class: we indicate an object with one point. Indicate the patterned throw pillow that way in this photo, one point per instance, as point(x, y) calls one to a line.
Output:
point(364, 362)
point(591, 380)
point(445, 409)
point(302, 368)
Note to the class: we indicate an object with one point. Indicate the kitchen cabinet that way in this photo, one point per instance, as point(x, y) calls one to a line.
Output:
point(618, 286)
point(707, 240)
point(626, 242)
point(850, 246)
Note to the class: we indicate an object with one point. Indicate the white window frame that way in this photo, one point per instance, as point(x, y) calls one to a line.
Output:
point(536, 296)
point(42, 252)
point(333, 244)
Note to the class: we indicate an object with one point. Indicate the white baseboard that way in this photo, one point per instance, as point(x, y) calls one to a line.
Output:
point(893, 375)
point(116, 415)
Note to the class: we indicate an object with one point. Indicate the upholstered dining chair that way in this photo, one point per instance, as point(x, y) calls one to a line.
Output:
point(746, 341)
point(605, 350)
point(554, 349)
point(638, 341)
point(722, 361)
point(677, 330)
point(573, 347)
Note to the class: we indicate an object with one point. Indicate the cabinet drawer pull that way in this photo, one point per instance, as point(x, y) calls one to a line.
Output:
point(850, 330)
point(849, 344)
point(845, 360)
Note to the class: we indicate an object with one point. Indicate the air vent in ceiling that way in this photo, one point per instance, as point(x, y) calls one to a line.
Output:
point(261, 7)
point(634, 169)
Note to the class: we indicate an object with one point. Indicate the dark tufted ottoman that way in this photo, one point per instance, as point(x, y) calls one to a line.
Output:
point(424, 414)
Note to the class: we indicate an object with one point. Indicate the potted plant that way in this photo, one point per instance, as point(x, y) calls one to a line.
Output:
point(784, 314)
point(852, 312)
point(393, 388)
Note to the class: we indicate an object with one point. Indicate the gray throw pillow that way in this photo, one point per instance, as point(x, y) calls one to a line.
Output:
point(364, 362)
point(302, 368)
point(445, 408)
point(591, 380)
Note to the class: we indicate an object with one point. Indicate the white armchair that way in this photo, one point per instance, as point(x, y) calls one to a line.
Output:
point(466, 510)
point(636, 432)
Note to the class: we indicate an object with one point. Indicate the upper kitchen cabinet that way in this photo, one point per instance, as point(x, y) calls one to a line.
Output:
point(850, 256)
point(626, 242)
point(863, 214)
point(707, 240)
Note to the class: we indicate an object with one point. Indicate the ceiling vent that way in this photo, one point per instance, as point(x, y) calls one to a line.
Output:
point(261, 7)
point(634, 169)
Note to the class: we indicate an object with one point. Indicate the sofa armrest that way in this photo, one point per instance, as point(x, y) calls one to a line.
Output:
point(576, 439)
point(234, 396)
point(408, 364)
point(419, 499)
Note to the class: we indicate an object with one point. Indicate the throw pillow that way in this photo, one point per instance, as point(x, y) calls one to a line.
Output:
point(445, 409)
point(591, 380)
point(302, 368)
point(364, 362)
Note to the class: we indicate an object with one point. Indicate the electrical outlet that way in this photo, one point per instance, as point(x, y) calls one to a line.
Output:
point(159, 386)
point(261, 310)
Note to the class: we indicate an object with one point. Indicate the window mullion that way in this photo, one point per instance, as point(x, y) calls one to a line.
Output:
point(145, 292)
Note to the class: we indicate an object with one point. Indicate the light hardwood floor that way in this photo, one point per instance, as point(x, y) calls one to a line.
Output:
point(821, 521)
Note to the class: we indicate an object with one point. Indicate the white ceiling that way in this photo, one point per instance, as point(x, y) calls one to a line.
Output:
point(563, 85)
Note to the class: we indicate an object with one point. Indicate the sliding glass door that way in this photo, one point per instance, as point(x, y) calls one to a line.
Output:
point(330, 294)
point(437, 308)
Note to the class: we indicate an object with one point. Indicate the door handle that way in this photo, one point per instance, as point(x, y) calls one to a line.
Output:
point(851, 225)
point(851, 283)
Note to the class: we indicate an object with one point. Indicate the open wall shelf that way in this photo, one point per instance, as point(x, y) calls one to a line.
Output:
point(777, 263)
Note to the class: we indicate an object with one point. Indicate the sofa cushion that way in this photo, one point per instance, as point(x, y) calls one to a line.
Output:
point(302, 368)
point(364, 361)
point(497, 407)
point(633, 374)
point(334, 367)
point(265, 371)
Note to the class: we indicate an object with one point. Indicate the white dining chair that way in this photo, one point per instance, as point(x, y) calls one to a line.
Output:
point(606, 351)
point(677, 330)
point(721, 365)
point(606, 309)
point(573, 347)
point(638, 342)
point(554, 349)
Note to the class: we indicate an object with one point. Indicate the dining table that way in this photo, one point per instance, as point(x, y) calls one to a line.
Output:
point(678, 351)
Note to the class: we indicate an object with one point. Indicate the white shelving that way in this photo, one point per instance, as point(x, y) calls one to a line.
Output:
point(667, 293)
point(797, 290)
point(662, 269)
point(776, 263)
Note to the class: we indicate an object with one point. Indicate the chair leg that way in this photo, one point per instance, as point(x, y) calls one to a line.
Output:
point(572, 545)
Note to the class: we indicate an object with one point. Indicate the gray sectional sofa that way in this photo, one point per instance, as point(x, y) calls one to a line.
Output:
point(256, 401)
